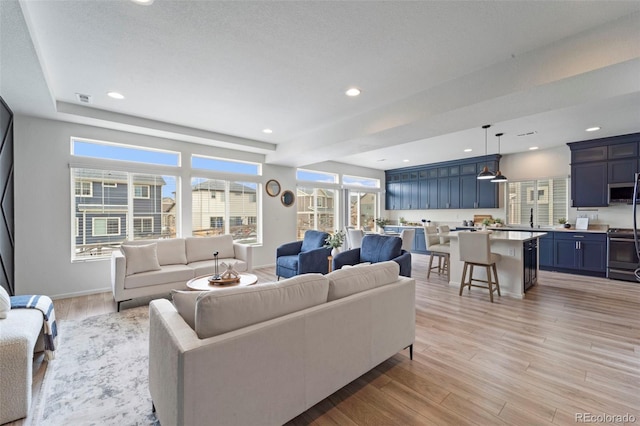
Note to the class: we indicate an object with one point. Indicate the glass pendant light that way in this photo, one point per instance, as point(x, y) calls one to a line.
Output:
point(485, 173)
point(499, 178)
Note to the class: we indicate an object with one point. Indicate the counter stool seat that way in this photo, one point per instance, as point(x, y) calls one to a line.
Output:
point(475, 250)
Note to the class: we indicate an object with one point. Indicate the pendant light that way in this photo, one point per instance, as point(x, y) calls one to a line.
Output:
point(485, 173)
point(499, 178)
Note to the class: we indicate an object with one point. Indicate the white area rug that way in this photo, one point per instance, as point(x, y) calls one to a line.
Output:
point(100, 374)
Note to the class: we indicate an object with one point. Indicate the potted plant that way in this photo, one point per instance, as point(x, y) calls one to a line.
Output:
point(486, 222)
point(335, 241)
point(498, 222)
point(563, 221)
point(382, 222)
point(402, 220)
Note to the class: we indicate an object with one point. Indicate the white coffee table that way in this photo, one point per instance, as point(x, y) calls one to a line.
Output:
point(202, 283)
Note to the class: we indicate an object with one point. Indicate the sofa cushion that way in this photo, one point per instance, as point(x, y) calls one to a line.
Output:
point(172, 251)
point(168, 274)
point(185, 303)
point(5, 303)
point(140, 258)
point(345, 282)
point(206, 267)
point(202, 248)
point(380, 248)
point(225, 310)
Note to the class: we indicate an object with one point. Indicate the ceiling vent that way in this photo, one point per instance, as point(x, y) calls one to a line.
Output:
point(528, 133)
point(85, 99)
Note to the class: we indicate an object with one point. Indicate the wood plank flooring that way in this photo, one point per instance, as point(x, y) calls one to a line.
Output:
point(571, 346)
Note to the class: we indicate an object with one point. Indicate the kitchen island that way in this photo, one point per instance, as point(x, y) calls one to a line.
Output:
point(517, 268)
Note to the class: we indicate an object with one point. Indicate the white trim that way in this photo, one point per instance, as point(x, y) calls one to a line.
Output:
point(106, 218)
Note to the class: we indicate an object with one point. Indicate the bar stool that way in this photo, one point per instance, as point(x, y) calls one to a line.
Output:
point(407, 236)
point(475, 250)
point(443, 230)
point(441, 251)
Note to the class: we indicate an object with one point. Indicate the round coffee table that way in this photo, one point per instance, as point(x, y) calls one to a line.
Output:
point(202, 283)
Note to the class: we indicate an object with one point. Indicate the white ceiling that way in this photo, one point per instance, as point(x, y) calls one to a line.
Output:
point(431, 73)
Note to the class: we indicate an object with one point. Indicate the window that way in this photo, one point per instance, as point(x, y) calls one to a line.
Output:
point(544, 201)
point(102, 226)
point(316, 210)
point(113, 215)
point(233, 210)
point(142, 225)
point(114, 151)
point(140, 191)
point(313, 176)
point(360, 181)
point(224, 165)
point(84, 189)
point(363, 207)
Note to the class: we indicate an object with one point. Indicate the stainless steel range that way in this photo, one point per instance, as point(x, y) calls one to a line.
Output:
point(622, 258)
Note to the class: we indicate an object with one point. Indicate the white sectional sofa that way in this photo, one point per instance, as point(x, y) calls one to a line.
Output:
point(266, 353)
point(152, 267)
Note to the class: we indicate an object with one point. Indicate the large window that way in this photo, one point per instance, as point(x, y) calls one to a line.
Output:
point(363, 209)
point(544, 201)
point(316, 209)
point(115, 210)
point(225, 207)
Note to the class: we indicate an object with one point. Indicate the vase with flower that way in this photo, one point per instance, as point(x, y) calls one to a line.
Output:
point(335, 241)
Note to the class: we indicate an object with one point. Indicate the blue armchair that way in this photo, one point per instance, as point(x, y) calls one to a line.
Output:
point(376, 248)
point(303, 257)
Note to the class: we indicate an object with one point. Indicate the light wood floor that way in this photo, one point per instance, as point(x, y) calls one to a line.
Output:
point(571, 346)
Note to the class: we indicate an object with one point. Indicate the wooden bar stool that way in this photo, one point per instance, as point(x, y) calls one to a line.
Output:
point(475, 250)
point(441, 251)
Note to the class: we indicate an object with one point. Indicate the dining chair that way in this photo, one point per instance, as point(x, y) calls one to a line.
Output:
point(407, 235)
point(441, 251)
point(475, 250)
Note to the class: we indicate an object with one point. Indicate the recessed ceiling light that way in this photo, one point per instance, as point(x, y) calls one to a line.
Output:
point(268, 131)
point(533, 148)
point(352, 92)
point(143, 2)
point(592, 129)
point(468, 150)
point(405, 161)
point(115, 95)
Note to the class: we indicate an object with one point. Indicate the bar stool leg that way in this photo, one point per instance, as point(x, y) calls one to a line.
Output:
point(489, 282)
point(463, 282)
point(495, 275)
point(430, 265)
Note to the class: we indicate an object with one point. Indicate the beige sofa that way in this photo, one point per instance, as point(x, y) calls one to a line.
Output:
point(153, 267)
point(20, 336)
point(266, 353)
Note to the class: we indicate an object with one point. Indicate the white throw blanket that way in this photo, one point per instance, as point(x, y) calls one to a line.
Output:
point(44, 305)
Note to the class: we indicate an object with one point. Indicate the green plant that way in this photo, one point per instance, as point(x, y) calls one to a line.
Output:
point(402, 220)
point(486, 221)
point(562, 221)
point(335, 240)
point(498, 220)
point(382, 222)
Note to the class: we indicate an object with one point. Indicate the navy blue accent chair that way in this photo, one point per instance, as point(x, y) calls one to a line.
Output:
point(303, 257)
point(374, 249)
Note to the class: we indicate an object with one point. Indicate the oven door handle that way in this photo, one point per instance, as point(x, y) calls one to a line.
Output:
point(622, 240)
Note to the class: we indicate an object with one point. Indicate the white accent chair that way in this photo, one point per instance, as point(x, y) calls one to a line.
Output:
point(355, 238)
point(407, 236)
point(441, 251)
point(475, 250)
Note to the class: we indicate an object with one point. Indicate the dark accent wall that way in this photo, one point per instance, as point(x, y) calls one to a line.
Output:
point(7, 237)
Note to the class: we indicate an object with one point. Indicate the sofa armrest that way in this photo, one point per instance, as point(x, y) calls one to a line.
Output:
point(404, 260)
point(118, 272)
point(347, 257)
point(289, 249)
point(244, 252)
point(314, 261)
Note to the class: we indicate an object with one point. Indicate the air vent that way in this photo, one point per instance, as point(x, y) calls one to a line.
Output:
point(85, 99)
point(528, 133)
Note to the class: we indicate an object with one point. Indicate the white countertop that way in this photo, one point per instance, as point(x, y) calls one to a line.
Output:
point(506, 235)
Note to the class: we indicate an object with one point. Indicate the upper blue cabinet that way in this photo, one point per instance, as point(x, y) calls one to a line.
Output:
point(446, 185)
point(598, 163)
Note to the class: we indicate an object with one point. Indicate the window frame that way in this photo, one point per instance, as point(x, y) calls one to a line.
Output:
point(81, 195)
point(106, 219)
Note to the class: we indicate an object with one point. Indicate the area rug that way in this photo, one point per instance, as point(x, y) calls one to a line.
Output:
point(100, 373)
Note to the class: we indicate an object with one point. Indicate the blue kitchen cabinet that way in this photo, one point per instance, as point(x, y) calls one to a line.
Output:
point(589, 185)
point(580, 252)
point(419, 243)
point(545, 251)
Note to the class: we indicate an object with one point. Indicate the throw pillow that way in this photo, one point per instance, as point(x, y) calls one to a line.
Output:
point(185, 303)
point(5, 303)
point(141, 258)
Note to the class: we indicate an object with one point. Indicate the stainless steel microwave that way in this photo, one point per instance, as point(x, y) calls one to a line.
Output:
point(621, 193)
